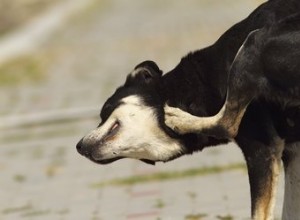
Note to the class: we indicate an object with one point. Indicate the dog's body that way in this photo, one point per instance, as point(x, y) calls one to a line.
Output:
point(133, 118)
point(265, 67)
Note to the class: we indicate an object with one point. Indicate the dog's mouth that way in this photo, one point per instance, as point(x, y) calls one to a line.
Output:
point(107, 161)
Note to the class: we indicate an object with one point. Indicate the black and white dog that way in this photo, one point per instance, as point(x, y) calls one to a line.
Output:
point(261, 111)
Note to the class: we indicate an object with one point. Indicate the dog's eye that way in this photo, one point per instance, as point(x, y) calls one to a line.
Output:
point(114, 127)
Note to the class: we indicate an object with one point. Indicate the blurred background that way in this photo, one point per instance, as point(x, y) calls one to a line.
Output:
point(59, 61)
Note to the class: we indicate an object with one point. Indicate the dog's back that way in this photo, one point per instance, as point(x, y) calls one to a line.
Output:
point(281, 53)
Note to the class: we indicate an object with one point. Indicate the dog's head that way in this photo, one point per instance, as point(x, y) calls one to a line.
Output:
point(132, 123)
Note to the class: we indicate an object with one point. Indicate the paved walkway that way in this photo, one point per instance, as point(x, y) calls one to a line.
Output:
point(42, 175)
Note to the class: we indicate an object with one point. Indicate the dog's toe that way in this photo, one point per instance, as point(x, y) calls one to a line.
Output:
point(170, 111)
point(176, 112)
point(175, 124)
point(177, 119)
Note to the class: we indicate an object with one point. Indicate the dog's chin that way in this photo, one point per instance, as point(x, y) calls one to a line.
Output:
point(106, 161)
point(111, 160)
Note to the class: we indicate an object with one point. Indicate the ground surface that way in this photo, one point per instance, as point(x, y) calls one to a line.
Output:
point(15, 13)
point(76, 69)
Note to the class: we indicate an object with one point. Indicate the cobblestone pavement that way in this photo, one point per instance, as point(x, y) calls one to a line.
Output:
point(42, 175)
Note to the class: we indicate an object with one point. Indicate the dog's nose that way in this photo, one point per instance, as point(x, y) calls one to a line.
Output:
point(79, 146)
point(83, 148)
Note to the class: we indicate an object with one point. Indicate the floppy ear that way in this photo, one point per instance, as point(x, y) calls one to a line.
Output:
point(146, 72)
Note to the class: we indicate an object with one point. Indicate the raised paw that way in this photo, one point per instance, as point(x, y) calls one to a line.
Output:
point(178, 120)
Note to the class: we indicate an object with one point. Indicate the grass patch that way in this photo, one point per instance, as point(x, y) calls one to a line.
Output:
point(12, 210)
point(226, 217)
point(195, 217)
point(26, 211)
point(19, 178)
point(159, 204)
point(35, 213)
point(25, 69)
point(171, 175)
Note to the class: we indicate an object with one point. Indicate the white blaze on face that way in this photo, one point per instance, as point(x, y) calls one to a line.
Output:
point(139, 135)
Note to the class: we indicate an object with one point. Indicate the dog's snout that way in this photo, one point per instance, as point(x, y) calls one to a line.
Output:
point(85, 147)
point(90, 145)
point(79, 146)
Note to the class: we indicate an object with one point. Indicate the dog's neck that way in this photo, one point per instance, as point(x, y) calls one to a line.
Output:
point(194, 85)
point(198, 83)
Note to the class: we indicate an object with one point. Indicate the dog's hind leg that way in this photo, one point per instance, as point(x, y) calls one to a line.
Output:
point(262, 148)
point(243, 85)
point(263, 163)
point(291, 161)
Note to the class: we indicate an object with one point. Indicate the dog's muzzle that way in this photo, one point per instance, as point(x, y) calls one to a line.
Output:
point(81, 150)
point(86, 150)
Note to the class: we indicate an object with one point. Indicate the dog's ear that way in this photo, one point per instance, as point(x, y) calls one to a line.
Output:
point(146, 72)
point(152, 68)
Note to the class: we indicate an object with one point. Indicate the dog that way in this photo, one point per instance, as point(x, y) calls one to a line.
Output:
point(133, 118)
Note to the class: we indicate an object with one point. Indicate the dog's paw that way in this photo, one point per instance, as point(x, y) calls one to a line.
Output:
point(178, 120)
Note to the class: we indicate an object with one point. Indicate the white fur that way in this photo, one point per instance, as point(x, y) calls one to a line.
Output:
point(275, 179)
point(265, 206)
point(291, 206)
point(139, 135)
